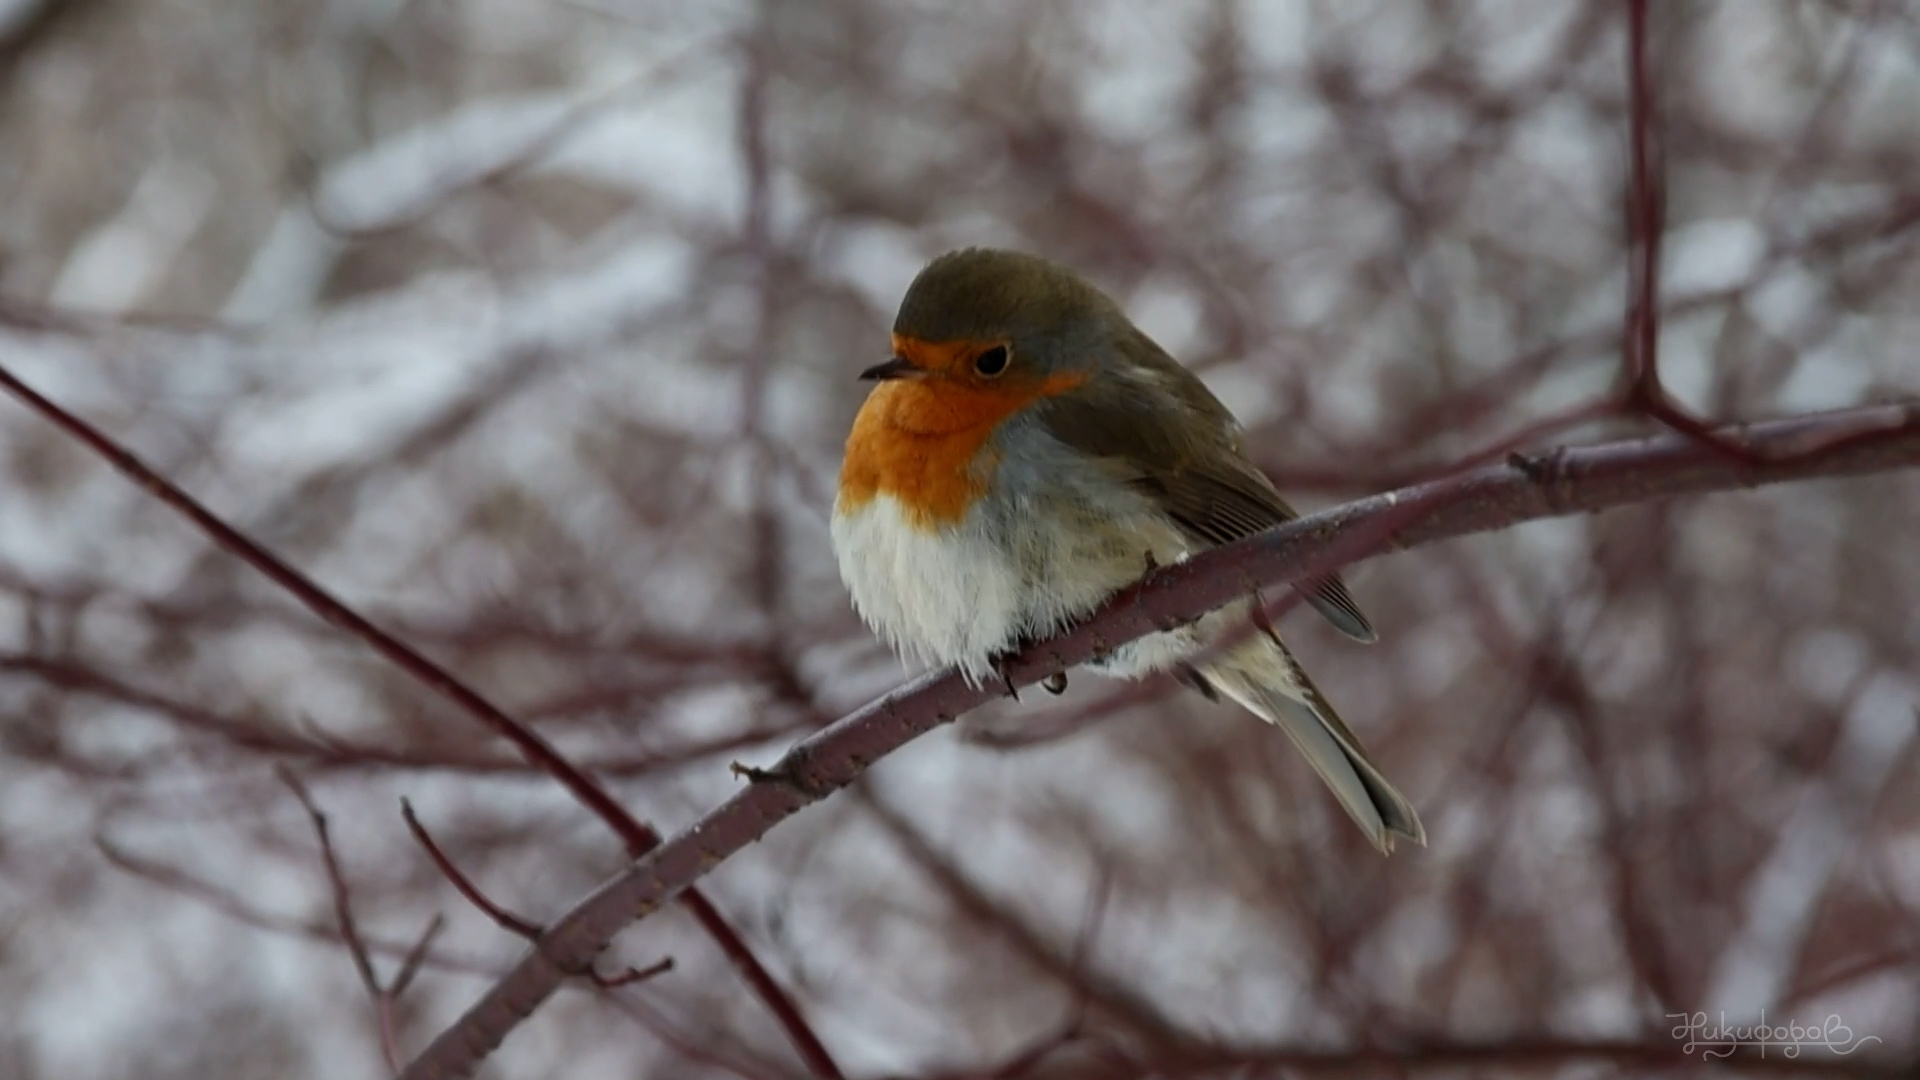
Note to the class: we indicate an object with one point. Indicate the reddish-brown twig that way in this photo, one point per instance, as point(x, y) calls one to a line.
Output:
point(384, 994)
point(505, 919)
point(501, 917)
point(1646, 225)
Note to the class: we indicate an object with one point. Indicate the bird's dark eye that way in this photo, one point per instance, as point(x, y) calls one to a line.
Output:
point(992, 362)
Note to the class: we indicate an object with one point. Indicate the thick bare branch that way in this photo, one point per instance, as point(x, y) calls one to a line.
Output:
point(1568, 481)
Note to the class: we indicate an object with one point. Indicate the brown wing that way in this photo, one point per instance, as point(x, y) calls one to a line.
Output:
point(1171, 438)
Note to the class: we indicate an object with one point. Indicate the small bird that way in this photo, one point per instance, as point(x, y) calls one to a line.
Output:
point(1027, 453)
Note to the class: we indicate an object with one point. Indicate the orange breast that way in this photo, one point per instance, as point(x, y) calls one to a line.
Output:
point(920, 441)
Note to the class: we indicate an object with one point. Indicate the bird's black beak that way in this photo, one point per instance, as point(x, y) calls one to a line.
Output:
point(897, 367)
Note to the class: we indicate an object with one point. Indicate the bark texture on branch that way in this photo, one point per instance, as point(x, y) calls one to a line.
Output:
point(1525, 488)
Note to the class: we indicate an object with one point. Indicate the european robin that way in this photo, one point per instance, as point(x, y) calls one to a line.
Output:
point(1028, 452)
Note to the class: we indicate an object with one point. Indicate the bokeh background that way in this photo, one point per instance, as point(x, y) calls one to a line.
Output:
point(529, 327)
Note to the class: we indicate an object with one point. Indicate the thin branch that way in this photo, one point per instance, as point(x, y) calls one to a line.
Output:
point(1842, 443)
point(462, 884)
point(1646, 225)
point(337, 881)
point(633, 974)
point(384, 995)
point(411, 963)
point(507, 920)
point(635, 834)
point(1646, 217)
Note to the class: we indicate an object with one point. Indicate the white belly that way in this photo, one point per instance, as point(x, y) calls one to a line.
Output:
point(951, 596)
point(965, 594)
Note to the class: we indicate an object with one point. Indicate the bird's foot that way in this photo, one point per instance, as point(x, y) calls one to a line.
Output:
point(1257, 612)
point(1002, 664)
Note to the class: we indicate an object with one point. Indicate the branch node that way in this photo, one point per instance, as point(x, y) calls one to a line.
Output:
point(1541, 468)
point(631, 975)
point(790, 772)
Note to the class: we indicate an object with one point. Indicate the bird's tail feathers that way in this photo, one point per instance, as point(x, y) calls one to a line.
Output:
point(1265, 679)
